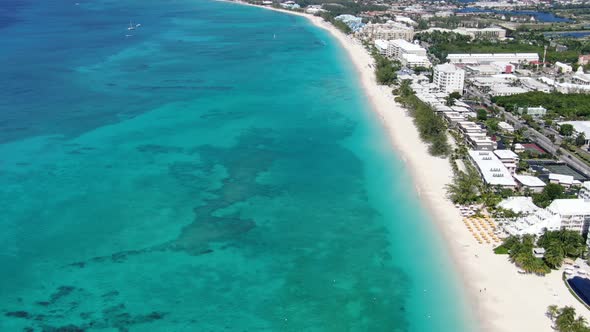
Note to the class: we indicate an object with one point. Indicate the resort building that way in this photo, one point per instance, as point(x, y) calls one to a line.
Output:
point(585, 190)
point(398, 47)
point(492, 169)
point(386, 31)
point(475, 33)
point(409, 54)
point(533, 111)
point(509, 159)
point(580, 77)
point(506, 90)
point(563, 68)
point(532, 183)
point(449, 78)
point(474, 58)
point(453, 118)
point(479, 141)
point(505, 126)
point(564, 180)
point(574, 213)
point(353, 22)
point(413, 61)
point(469, 127)
point(382, 46)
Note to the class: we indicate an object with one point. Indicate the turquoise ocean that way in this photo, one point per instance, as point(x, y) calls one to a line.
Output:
point(217, 168)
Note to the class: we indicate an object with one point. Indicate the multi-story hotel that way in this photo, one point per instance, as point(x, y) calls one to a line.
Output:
point(449, 78)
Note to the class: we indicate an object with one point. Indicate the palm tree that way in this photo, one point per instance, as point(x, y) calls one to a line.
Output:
point(565, 319)
point(552, 312)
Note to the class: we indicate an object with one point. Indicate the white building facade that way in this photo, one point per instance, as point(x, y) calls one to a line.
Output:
point(449, 78)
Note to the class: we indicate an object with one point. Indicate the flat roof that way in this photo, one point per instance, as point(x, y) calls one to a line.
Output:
point(529, 180)
point(567, 179)
point(491, 168)
point(505, 154)
point(570, 207)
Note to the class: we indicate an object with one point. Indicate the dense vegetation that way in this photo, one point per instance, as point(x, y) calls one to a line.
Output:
point(339, 7)
point(520, 251)
point(570, 106)
point(550, 192)
point(465, 187)
point(561, 244)
point(565, 320)
point(329, 17)
point(431, 127)
point(557, 244)
point(385, 69)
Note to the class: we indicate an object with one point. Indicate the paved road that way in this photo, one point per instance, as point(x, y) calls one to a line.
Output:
point(539, 138)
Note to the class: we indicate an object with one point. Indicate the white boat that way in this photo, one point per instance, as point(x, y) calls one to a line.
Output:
point(131, 26)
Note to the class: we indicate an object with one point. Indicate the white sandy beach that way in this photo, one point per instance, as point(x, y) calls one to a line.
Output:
point(510, 301)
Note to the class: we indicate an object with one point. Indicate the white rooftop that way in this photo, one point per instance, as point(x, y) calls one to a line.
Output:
point(565, 179)
point(406, 45)
point(519, 204)
point(529, 181)
point(505, 154)
point(491, 168)
point(570, 207)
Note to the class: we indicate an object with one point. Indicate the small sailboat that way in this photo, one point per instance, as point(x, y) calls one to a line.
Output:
point(131, 26)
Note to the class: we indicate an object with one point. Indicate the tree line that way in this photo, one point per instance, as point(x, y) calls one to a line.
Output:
point(570, 106)
point(431, 127)
point(557, 244)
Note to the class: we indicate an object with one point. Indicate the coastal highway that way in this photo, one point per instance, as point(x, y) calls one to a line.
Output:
point(569, 158)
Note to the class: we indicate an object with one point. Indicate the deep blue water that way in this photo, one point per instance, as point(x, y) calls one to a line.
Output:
point(539, 16)
point(219, 169)
point(574, 34)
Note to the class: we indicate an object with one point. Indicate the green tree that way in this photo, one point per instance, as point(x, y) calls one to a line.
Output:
point(580, 139)
point(465, 187)
point(550, 192)
point(482, 114)
point(552, 312)
point(566, 129)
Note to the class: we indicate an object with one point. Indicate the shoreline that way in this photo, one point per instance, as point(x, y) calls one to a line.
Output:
point(501, 299)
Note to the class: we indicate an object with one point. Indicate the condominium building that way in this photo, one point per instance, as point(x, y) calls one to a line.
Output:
point(398, 47)
point(585, 190)
point(485, 33)
point(409, 54)
point(413, 60)
point(492, 169)
point(448, 78)
point(470, 58)
point(386, 31)
point(574, 213)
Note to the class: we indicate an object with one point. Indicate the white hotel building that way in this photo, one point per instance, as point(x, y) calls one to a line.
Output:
point(449, 78)
point(492, 169)
point(409, 54)
point(483, 58)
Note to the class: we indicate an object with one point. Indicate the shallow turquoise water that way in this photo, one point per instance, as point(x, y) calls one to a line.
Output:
point(219, 170)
